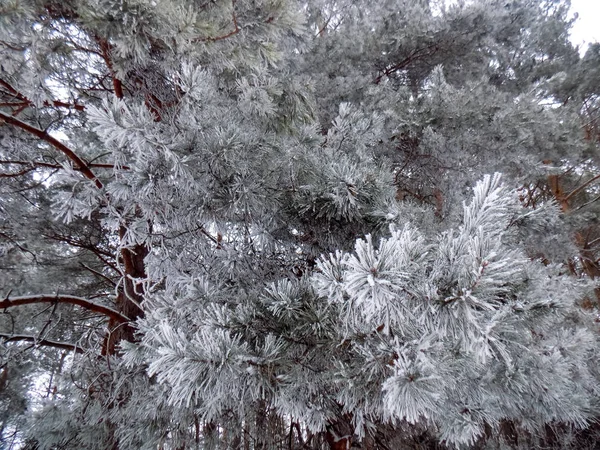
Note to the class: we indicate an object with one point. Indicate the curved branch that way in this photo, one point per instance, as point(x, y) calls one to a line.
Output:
point(79, 163)
point(35, 164)
point(42, 342)
point(580, 188)
point(235, 31)
point(69, 299)
point(24, 100)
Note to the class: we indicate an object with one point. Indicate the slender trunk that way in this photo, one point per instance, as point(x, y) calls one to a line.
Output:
point(246, 436)
point(55, 370)
point(586, 254)
point(260, 425)
point(558, 192)
point(130, 297)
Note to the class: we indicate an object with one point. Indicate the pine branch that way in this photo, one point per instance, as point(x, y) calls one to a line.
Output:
point(24, 100)
point(104, 256)
point(67, 299)
point(99, 274)
point(41, 342)
point(580, 188)
point(414, 55)
point(75, 242)
point(35, 164)
point(79, 163)
point(236, 27)
point(17, 174)
point(235, 30)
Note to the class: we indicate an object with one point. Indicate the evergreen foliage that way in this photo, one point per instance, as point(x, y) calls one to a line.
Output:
point(281, 224)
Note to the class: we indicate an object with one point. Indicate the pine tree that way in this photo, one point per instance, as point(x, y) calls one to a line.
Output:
point(268, 224)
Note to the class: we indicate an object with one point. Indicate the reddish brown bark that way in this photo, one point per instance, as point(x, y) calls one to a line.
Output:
point(337, 443)
point(130, 297)
point(558, 191)
point(105, 49)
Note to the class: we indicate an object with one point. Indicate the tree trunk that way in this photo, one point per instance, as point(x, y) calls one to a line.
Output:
point(130, 297)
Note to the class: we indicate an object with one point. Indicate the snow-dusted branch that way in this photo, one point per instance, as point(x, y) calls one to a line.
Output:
point(23, 101)
point(79, 163)
point(35, 164)
point(68, 299)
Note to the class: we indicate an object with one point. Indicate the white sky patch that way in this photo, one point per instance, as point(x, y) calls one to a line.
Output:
point(586, 29)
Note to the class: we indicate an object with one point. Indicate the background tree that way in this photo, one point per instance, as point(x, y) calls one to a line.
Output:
point(252, 224)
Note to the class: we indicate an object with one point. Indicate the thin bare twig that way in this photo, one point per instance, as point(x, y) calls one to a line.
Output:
point(580, 188)
point(41, 342)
